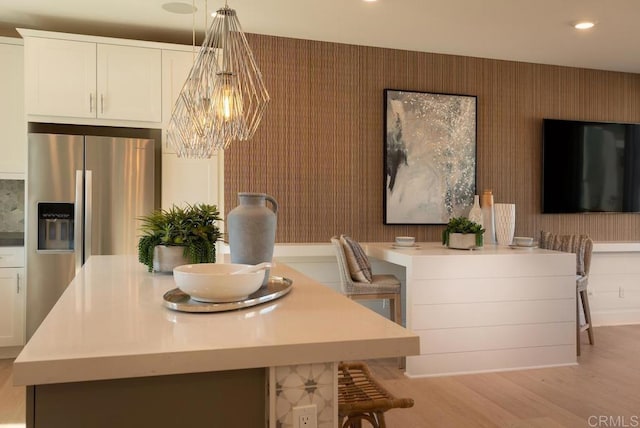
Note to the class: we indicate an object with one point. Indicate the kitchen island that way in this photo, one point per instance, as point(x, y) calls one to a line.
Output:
point(110, 354)
point(491, 309)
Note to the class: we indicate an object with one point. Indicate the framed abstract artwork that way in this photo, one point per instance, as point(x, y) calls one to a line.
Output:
point(429, 156)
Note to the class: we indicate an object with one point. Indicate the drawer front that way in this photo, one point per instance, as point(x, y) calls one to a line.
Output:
point(11, 256)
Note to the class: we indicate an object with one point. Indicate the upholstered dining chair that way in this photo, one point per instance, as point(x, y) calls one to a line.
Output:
point(357, 280)
point(582, 247)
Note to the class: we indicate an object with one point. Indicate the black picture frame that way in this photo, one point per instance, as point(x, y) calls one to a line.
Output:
point(430, 144)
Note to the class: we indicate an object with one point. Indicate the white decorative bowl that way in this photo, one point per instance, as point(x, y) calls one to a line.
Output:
point(214, 282)
point(405, 241)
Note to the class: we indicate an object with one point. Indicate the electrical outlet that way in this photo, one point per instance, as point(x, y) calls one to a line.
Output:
point(621, 292)
point(305, 416)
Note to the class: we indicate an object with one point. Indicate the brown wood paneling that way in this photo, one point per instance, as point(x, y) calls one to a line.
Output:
point(319, 149)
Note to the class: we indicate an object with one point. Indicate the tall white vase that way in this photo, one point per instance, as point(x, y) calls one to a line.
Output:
point(505, 219)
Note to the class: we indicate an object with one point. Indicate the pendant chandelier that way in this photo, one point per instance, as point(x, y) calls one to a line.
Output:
point(224, 97)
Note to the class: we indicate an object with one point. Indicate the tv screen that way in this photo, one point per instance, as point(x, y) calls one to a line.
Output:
point(590, 167)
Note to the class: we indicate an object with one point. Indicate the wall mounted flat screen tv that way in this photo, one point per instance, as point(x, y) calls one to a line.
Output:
point(590, 167)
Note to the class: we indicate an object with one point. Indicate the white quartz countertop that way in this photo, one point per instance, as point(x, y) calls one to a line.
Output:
point(111, 323)
point(384, 249)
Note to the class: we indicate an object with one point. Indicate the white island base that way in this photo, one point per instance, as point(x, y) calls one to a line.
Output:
point(491, 309)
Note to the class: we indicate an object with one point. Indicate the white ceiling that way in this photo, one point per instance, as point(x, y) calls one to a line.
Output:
point(522, 30)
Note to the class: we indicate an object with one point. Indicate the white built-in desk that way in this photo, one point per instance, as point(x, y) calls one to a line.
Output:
point(490, 309)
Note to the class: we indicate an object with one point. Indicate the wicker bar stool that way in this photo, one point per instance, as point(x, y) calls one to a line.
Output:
point(361, 398)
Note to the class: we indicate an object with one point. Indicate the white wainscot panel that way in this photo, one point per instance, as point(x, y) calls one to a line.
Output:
point(494, 360)
point(492, 313)
point(496, 337)
point(613, 283)
point(614, 288)
point(615, 263)
point(469, 290)
point(519, 264)
point(322, 269)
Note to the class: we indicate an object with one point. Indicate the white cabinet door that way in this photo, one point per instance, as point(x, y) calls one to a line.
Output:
point(129, 83)
point(191, 181)
point(176, 66)
point(69, 78)
point(13, 126)
point(60, 77)
point(12, 306)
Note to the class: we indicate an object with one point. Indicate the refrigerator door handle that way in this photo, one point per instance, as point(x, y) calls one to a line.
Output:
point(88, 213)
point(78, 232)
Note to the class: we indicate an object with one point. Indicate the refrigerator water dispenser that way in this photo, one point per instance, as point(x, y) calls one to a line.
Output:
point(55, 226)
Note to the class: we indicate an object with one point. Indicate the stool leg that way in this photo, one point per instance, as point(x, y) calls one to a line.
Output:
point(587, 314)
point(392, 310)
point(397, 309)
point(578, 324)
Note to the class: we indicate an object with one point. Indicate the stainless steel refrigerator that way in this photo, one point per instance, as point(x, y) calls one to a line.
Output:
point(84, 195)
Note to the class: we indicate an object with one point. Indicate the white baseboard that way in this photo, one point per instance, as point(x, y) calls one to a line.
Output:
point(616, 317)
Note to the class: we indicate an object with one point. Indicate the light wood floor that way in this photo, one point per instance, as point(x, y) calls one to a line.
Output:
point(12, 398)
point(605, 384)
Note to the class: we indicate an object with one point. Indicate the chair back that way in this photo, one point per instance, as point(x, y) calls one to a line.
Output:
point(580, 245)
point(346, 282)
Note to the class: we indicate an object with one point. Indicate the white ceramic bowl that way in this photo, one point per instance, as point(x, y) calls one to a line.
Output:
point(213, 282)
point(405, 241)
point(523, 241)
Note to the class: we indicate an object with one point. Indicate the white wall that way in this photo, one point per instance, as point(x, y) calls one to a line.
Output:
point(324, 269)
point(614, 284)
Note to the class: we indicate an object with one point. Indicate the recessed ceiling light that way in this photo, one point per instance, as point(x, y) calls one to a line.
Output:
point(583, 25)
point(370, 1)
point(181, 8)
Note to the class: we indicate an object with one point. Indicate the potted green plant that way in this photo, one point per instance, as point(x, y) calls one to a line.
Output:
point(462, 233)
point(179, 236)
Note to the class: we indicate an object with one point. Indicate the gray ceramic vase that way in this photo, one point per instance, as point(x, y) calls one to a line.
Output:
point(251, 227)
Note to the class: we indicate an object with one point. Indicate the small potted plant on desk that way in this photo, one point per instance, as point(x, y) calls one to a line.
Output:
point(462, 233)
point(179, 236)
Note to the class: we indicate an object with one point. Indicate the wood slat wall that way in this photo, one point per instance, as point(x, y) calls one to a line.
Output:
point(319, 149)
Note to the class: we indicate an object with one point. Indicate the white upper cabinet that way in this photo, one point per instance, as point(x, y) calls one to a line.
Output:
point(13, 127)
point(129, 83)
point(60, 77)
point(85, 79)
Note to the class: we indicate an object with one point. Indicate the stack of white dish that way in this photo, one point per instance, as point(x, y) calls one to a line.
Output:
point(523, 242)
point(217, 282)
point(405, 242)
